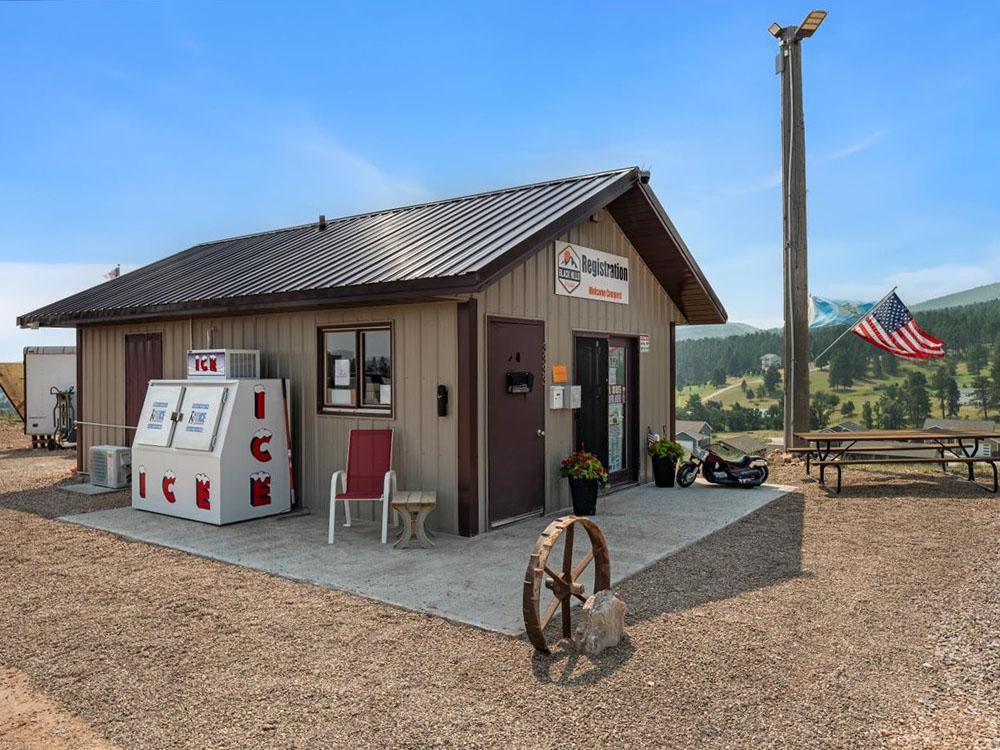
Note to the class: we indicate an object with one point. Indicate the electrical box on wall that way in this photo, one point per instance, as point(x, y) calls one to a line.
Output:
point(556, 397)
point(575, 396)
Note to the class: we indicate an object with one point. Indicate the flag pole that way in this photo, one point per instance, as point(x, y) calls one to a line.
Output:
point(875, 307)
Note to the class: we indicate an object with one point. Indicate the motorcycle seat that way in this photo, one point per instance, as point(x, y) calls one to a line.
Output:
point(743, 462)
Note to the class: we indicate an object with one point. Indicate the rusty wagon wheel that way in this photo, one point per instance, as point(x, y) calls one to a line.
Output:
point(563, 583)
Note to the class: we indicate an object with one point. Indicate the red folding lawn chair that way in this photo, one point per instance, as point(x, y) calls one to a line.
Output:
point(369, 477)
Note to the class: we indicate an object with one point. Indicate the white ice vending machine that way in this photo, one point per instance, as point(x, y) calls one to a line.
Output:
point(215, 447)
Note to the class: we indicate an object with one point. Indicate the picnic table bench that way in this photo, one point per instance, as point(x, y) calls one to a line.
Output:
point(952, 446)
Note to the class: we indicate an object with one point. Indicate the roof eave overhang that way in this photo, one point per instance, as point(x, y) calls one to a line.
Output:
point(645, 222)
point(418, 290)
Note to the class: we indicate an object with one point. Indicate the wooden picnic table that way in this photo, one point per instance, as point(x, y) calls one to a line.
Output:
point(830, 448)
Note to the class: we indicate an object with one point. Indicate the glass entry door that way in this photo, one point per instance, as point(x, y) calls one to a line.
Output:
point(606, 419)
point(617, 405)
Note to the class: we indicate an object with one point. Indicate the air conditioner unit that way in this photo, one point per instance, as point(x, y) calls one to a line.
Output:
point(110, 466)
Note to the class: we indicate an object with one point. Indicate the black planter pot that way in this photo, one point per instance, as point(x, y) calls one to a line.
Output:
point(584, 494)
point(664, 470)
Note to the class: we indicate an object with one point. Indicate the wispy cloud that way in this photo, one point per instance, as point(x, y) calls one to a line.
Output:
point(772, 181)
point(352, 178)
point(862, 144)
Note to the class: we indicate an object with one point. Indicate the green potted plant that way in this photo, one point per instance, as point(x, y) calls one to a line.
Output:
point(665, 454)
point(586, 474)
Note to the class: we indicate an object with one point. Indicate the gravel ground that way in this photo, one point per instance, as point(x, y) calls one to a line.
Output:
point(27, 477)
point(866, 620)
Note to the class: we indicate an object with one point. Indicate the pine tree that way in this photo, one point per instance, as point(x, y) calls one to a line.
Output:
point(890, 364)
point(891, 409)
point(982, 394)
point(841, 375)
point(941, 382)
point(867, 417)
point(976, 358)
point(771, 380)
point(694, 409)
point(917, 402)
point(821, 407)
point(954, 398)
point(877, 372)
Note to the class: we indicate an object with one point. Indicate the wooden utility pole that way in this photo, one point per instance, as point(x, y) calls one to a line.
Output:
point(794, 253)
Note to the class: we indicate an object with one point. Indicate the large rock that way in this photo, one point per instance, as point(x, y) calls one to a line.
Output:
point(600, 624)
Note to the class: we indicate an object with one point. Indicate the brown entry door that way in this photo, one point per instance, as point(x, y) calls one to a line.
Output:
point(516, 413)
point(143, 362)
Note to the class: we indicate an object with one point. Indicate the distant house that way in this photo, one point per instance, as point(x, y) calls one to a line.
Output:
point(769, 361)
point(748, 444)
point(987, 448)
point(689, 433)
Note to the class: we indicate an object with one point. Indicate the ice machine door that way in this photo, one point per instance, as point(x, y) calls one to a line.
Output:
point(200, 413)
point(156, 424)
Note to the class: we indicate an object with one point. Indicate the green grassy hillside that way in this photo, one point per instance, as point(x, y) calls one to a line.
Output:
point(690, 333)
point(984, 293)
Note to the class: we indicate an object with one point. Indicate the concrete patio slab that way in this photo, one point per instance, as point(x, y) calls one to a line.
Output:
point(475, 581)
point(87, 489)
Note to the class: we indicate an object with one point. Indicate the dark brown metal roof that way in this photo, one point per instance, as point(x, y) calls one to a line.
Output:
point(446, 247)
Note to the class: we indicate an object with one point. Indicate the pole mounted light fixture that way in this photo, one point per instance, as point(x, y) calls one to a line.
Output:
point(795, 277)
point(805, 29)
point(810, 24)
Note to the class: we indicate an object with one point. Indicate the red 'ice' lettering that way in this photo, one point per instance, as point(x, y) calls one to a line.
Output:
point(260, 489)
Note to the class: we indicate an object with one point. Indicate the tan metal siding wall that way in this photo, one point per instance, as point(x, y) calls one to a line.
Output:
point(528, 292)
point(425, 445)
point(104, 376)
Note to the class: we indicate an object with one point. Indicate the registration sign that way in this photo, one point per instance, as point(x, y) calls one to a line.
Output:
point(586, 273)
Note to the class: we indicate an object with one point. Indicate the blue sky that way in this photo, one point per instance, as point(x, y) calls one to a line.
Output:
point(133, 130)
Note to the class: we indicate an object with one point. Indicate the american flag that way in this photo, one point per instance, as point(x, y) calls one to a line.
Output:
point(891, 326)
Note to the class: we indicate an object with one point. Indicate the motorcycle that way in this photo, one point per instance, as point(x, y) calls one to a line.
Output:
point(748, 471)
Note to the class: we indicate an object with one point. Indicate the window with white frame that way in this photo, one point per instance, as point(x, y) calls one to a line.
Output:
point(356, 369)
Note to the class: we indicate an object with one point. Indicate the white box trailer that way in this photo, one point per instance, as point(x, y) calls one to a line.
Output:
point(46, 368)
point(214, 448)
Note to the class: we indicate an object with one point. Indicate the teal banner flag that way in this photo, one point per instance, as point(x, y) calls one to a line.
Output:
point(827, 312)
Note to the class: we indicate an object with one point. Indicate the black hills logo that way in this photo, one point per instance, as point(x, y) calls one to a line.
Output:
point(568, 269)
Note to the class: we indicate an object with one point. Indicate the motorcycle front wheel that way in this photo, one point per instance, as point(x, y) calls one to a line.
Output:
point(687, 474)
